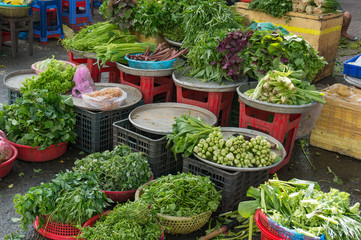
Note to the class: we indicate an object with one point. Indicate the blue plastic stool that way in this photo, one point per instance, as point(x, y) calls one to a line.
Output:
point(43, 30)
point(76, 13)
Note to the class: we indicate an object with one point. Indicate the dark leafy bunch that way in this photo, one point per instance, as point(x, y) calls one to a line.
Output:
point(182, 195)
point(39, 118)
point(276, 8)
point(52, 79)
point(119, 12)
point(132, 220)
point(117, 170)
point(269, 49)
point(71, 197)
point(230, 47)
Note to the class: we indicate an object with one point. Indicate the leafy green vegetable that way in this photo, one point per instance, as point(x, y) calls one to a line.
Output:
point(117, 170)
point(118, 12)
point(187, 131)
point(148, 18)
point(71, 197)
point(51, 62)
point(53, 79)
point(39, 118)
point(132, 220)
point(281, 88)
point(276, 8)
point(301, 205)
point(181, 195)
point(269, 49)
point(102, 33)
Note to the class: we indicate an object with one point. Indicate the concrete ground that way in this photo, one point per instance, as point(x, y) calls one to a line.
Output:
point(25, 175)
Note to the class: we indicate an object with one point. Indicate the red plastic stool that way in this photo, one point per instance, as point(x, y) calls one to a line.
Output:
point(281, 126)
point(218, 103)
point(93, 67)
point(149, 86)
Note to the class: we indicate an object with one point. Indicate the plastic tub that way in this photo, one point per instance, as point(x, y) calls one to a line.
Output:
point(30, 154)
point(351, 69)
point(149, 64)
point(37, 71)
point(6, 166)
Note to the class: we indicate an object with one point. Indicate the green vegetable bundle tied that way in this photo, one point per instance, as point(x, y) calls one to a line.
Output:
point(281, 88)
point(117, 170)
point(132, 220)
point(181, 195)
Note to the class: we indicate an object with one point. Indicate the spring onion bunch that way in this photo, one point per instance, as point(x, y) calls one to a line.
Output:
point(236, 151)
point(281, 88)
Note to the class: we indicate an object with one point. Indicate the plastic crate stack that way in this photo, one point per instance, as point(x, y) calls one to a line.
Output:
point(352, 71)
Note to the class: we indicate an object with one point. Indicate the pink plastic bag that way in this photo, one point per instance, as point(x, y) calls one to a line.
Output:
point(83, 81)
point(5, 148)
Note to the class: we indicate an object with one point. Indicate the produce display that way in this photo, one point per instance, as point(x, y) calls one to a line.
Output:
point(236, 151)
point(116, 52)
point(39, 118)
point(281, 88)
point(117, 170)
point(70, 197)
point(187, 131)
point(181, 195)
point(278, 8)
point(55, 78)
point(132, 220)
point(301, 206)
point(269, 49)
point(102, 33)
point(161, 53)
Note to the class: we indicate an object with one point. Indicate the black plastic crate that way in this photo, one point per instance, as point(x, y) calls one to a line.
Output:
point(161, 159)
point(12, 96)
point(234, 185)
point(95, 129)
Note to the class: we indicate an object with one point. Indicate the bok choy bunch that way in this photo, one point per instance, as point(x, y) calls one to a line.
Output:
point(280, 87)
point(301, 206)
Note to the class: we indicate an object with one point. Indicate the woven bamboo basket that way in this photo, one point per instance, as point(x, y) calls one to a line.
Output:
point(178, 225)
point(7, 10)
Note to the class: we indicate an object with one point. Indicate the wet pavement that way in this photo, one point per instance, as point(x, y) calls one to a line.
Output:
point(25, 174)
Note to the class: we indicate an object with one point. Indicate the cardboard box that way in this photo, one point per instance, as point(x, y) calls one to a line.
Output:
point(321, 31)
point(338, 127)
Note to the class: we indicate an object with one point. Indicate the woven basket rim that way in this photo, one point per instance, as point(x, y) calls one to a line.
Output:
point(13, 6)
point(175, 218)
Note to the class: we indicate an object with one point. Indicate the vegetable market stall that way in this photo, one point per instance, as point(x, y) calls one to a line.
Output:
point(321, 31)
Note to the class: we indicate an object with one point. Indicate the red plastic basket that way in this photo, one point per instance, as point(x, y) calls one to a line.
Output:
point(122, 196)
point(37, 71)
point(30, 154)
point(6, 166)
point(56, 231)
point(262, 224)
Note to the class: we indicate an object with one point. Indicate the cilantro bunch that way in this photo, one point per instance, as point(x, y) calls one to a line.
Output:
point(276, 8)
point(39, 118)
point(117, 170)
point(132, 220)
point(70, 197)
point(182, 195)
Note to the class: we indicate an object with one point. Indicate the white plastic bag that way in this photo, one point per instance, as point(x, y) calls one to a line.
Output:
point(106, 99)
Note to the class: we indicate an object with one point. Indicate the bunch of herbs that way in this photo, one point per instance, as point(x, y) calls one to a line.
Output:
point(276, 8)
point(119, 12)
point(70, 197)
point(117, 170)
point(181, 195)
point(132, 220)
point(40, 118)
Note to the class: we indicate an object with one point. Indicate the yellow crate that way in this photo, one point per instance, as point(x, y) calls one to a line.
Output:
point(321, 31)
point(338, 127)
